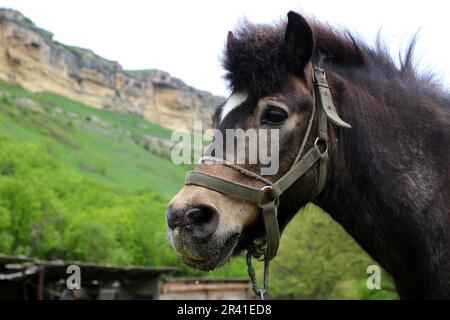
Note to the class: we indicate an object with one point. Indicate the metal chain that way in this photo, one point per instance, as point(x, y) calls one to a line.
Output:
point(260, 292)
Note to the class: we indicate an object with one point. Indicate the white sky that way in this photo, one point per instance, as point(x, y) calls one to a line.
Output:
point(186, 38)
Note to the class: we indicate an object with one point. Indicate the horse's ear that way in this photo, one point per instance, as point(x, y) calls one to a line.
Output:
point(230, 40)
point(299, 39)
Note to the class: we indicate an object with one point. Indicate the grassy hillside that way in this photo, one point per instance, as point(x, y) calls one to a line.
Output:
point(104, 146)
point(88, 184)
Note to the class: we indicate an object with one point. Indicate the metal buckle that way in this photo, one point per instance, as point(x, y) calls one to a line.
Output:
point(321, 142)
point(269, 196)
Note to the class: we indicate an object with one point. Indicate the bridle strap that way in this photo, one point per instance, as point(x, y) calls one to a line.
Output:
point(209, 159)
point(268, 193)
point(320, 83)
point(298, 170)
point(225, 186)
point(267, 197)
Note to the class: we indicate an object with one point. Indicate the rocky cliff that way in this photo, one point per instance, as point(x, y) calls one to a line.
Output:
point(29, 56)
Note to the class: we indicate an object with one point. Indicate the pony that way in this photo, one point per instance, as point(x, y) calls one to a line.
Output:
point(388, 176)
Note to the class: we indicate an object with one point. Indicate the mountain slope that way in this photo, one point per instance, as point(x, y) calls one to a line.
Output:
point(99, 144)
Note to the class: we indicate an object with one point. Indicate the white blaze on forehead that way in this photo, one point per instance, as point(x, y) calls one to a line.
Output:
point(233, 101)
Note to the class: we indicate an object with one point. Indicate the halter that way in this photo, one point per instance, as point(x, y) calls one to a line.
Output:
point(267, 197)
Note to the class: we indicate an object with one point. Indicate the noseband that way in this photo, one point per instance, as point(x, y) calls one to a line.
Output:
point(267, 197)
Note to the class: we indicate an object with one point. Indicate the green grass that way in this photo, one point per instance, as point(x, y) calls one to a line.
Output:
point(124, 162)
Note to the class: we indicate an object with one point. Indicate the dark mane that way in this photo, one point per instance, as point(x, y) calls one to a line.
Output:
point(257, 61)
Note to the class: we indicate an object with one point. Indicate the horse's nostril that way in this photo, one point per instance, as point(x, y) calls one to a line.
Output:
point(173, 218)
point(198, 215)
point(202, 220)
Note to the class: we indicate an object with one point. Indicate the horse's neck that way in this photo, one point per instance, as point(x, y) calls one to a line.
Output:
point(377, 198)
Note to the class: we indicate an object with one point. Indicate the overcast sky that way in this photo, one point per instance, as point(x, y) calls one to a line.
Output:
point(186, 38)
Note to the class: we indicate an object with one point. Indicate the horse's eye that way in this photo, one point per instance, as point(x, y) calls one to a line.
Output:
point(273, 115)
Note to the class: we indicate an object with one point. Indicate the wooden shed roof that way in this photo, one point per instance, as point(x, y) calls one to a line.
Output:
point(19, 267)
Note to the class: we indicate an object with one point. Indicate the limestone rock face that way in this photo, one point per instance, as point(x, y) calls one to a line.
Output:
point(30, 57)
